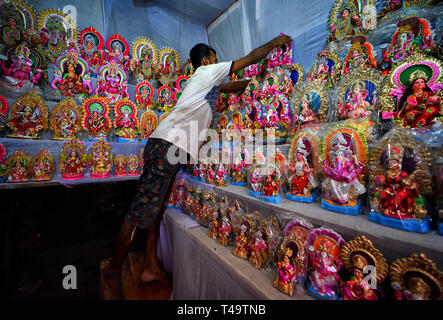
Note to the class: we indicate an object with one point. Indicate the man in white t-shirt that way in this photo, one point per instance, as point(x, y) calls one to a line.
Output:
point(181, 133)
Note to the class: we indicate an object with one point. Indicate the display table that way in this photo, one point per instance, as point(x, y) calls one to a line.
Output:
point(204, 269)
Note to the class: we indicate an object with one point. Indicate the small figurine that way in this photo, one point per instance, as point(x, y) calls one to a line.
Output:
point(148, 123)
point(165, 99)
point(144, 95)
point(71, 76)
point(208, 207)
point(118, 52)
point(19, 167)
point(189, 202)
point(120, 165)
point(3, 164)
point(201, 170)
point(244, 237)
point(220, 175)
point(302, 179)
point(399, 179)
point(3, 113)
point(101, 162)
point(239, 168)
point(144, 59)
point(96, 119)
point(210, 171)
point(345, 151)
point(43, 166)
point(324, 252)
point(214, 225)
point(224, 231)
point(181, 193)
point(271, 184)
point(133, 165)
point(91, 43)
point(356, 255)
point(416, 278)
point(125, 120)
point(196, 208)
point(72, 160)
point(256, 180)
point(259, 250)
point(112, 83)
point(28, 116)
point(66, 120)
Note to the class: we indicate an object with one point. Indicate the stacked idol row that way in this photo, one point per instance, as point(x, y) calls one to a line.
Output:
point(29, 117)
point(304, 256)
point(334, 162)
point(345, 82)
point(72, 164)
point(43, 52)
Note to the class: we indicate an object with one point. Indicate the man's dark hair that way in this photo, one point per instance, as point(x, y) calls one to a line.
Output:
point(198, 52)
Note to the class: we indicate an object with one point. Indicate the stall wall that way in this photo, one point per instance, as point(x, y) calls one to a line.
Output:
point(251, 23)
point(135, 18)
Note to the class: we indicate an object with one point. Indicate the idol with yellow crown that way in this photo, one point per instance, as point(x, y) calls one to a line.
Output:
point(144, 59)
point(360, 257)
point(112, 83)
point(101, 160)
point(399, 179)
point(412, 93)
point(71, 76)
point(361, 54)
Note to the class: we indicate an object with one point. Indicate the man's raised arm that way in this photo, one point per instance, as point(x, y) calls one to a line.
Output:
point(261, 52)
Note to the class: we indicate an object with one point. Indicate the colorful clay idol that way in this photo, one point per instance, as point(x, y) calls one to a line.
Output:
point(57, 32)
point(360, 258)
point(361, 54)
point(169, 65)
point(112, 83)
point(326, 68)
point(272, 180)
point(345, 154)
point(303, 167)
point(3, 113)
point(207, 208)
point(416, 278)
point(239, 168)
point(72, 160)
point(71, 76)
point(91, 43)
point(144, 59)
point(148, 123)
point(19, 167)
point(66, 120)
point(101, 160)
point(125, 120)
point(133, 165)
point(256, 180)
point(42, 166)
point(259, 247)
point(411, 95)
point(324, 255)
point(165, 99)
point(244, 237)
point(120, 165)
point(118, 52)
point(399, 179)
point(28, 116)
point(345, 20)
point(3, 164)
point(96, 120)
point(310, 107)
point(144, 95)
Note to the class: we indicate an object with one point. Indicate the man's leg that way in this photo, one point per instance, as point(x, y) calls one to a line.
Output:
point(112, 272)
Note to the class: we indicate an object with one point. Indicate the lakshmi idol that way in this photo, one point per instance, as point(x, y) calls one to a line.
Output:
point(419, 105)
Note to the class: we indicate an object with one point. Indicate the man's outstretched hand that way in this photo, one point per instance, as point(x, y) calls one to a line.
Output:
point(281, 40)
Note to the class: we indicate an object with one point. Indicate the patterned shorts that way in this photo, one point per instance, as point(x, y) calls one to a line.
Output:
point(153, 186)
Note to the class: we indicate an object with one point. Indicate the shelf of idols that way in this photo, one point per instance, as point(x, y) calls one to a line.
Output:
point(221, 275)
point(393, 243)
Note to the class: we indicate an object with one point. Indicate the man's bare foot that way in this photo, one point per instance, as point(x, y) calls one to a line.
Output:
point(154, 275)
point(112, 284)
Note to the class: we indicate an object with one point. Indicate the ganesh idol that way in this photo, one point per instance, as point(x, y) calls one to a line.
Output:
point(20, 72)
point(355, 105)
point(343, 168)
point(112, 83)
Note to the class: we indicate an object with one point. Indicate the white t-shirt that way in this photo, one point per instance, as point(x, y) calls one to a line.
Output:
point(187, 124)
